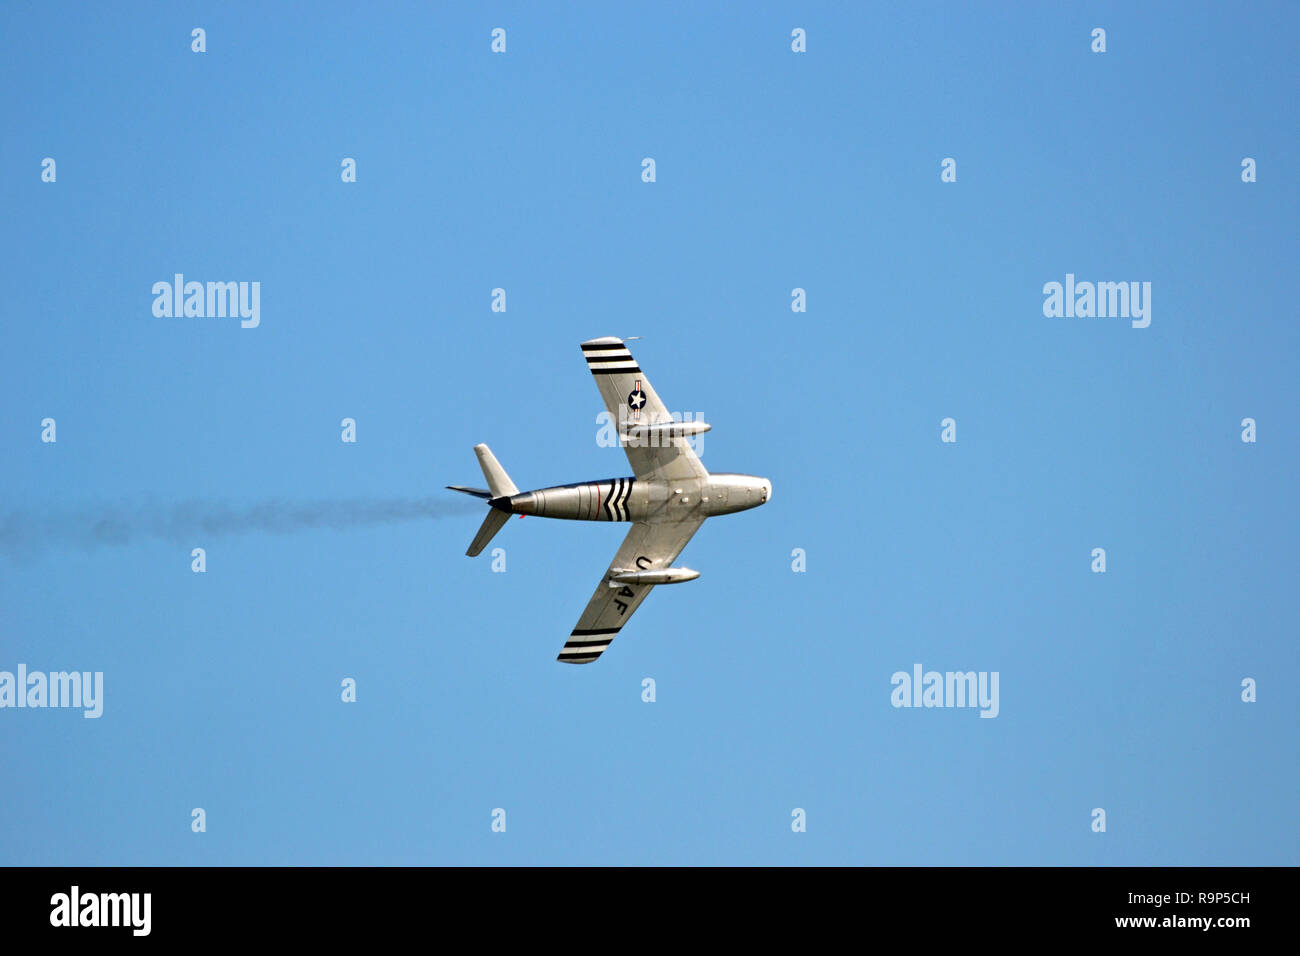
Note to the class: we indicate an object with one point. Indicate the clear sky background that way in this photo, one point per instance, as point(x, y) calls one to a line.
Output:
point(775, 170)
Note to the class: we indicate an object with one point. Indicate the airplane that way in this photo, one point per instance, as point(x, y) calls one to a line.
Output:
point(667, 498)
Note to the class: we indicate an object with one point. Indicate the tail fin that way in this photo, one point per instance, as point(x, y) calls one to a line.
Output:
point(496, 476)
point(476, 492)
point(500, 486)
point(493, 523)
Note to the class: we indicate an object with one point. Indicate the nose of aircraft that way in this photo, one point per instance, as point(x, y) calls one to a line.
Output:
point(767, 491)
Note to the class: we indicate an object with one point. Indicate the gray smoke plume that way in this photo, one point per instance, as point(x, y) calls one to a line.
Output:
point(29, 531)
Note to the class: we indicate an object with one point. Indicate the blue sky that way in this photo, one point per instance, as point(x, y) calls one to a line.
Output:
point(775, 170)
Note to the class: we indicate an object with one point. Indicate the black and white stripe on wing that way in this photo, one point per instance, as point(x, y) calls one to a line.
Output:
point(609, 359)
point(584, 646)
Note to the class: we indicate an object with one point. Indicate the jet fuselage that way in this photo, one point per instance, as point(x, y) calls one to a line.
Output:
point(627, 499)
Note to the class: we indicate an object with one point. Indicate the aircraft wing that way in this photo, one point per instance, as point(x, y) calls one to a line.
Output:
point(648, 545)
point(630, 399)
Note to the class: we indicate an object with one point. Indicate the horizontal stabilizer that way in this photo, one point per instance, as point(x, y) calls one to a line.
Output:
point(497, 479)
point(492, 523)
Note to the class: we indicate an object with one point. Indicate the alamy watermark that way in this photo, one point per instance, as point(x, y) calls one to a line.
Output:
point(38, 689)
point(75, 908)
point(1102, 300)
point(633, 431)
point(212, 300)
point(948, 689)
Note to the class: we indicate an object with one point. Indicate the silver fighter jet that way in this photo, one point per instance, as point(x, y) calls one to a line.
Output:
point(667, 498)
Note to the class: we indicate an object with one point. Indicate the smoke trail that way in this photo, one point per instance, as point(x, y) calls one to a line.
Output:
point(27, 531)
